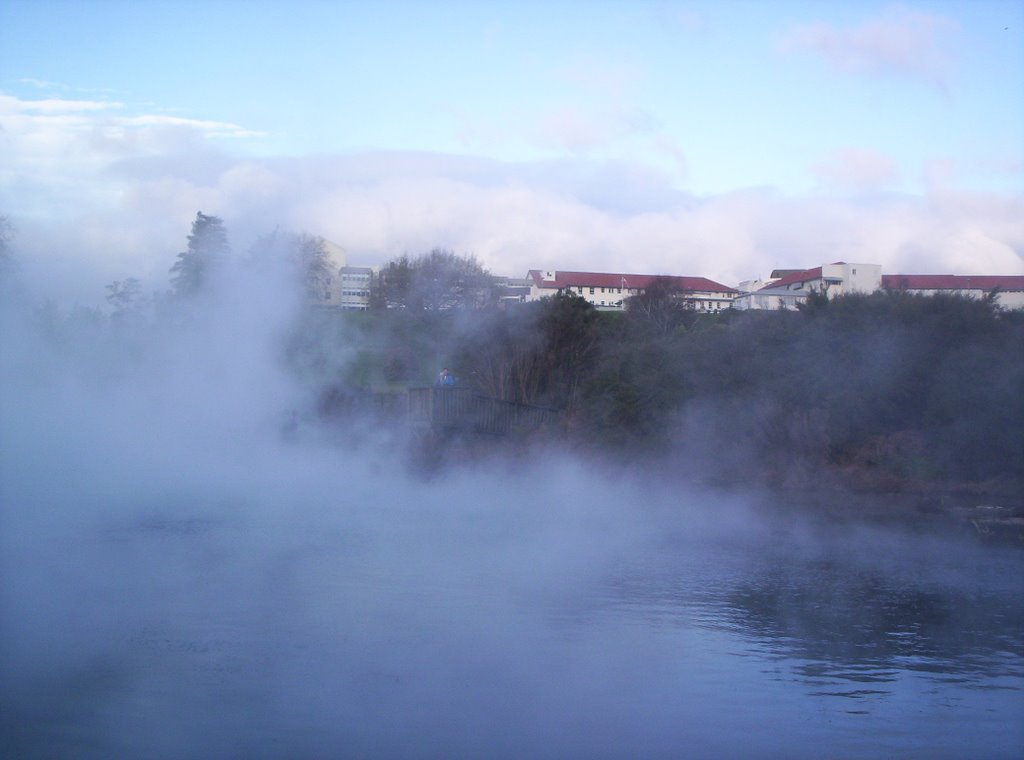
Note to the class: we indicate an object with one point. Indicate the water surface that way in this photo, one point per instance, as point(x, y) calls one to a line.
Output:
point(442, 626)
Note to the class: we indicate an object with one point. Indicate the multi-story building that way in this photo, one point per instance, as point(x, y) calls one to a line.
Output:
point(609, 290)
point(352, 288)
point(791, 288)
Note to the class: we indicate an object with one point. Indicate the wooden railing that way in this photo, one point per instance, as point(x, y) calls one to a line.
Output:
point(461, 409)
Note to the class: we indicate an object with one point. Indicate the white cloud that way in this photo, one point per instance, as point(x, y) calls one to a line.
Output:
point(207, 128)
point(94, 202)
point(10, 105)
point(59, 152)
point(856, 169)
point(578, 130)
point(41, 84)
point(900, 42)
point(946, 172)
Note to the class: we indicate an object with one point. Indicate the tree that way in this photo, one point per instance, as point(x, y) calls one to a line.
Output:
point(433, 281)
point(304, 258)
point(124, 295)
point(11, 290)
point(539, 353)
point(207, 248)
point(6, 258)
point(660, 306)
point(314, 266)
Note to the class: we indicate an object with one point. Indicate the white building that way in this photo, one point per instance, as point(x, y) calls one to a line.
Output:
point(1009, 289)
point(349, 287)
point(352, 288)
point(793, 288)
point(609, 290)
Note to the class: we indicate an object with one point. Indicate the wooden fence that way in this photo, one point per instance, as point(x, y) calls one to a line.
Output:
point(462, 410)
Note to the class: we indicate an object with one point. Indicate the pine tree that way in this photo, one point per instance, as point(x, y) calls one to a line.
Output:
point(207, 247)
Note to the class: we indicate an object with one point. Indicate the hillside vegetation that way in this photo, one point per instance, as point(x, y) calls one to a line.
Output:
point(888, 389)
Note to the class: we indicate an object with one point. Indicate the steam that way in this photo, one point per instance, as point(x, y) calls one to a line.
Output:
point(183, 578)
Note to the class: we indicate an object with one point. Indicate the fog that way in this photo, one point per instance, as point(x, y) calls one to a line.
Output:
point(187, 574)
point(567, 215)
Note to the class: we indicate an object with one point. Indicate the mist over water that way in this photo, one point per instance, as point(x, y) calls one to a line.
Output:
point(183, 576)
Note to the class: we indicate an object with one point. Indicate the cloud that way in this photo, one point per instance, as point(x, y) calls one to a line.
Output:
point(94, 201)
point(518, 217)
point(10, 106)
point(205, 127)
point(41, 84)
point(601, 78)
point(946, 172)
point(856, 169)
point(582, 130)
point(66, 153)
point(57, 126)
point(900, 42)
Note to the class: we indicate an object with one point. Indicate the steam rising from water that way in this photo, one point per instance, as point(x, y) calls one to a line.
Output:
point(181, 579)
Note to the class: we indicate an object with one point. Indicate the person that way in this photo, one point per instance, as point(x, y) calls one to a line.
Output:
point(445, 378)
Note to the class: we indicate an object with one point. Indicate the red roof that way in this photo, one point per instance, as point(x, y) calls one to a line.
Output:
point(791, 279)
point(952, 282)
point(620, 280)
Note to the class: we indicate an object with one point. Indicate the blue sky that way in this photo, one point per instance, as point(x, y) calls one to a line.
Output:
point(706, 138)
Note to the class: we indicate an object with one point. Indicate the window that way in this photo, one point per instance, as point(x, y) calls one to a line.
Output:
point(591, 291)
point(580, 290)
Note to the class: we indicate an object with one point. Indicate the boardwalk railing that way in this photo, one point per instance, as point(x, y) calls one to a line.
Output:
point(460, 409)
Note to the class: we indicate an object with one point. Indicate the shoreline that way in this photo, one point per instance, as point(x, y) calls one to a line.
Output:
point(989, 512)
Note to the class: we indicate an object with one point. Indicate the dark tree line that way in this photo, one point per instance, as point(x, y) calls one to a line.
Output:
point(901, 386)
point(894, 387)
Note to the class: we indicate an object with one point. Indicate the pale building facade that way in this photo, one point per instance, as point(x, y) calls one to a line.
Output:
point(352, 288)
point(1008, 289)
point(609, 290)
point(792, 289)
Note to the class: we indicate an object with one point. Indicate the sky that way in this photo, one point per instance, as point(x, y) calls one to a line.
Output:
point(715, 139)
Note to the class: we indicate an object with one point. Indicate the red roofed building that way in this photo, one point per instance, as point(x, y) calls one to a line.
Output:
point(609, 290)
point(793, 288)
point(1009, 289)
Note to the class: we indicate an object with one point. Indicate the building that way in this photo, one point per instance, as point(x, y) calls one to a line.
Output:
point(352, 288)
point(792, 287)
point(609, 291)
point(512, 290)
point(1008, 289)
